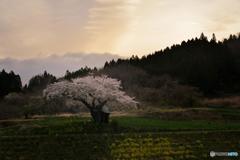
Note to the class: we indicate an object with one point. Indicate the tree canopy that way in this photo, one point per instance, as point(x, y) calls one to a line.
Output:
point(79, 73)
point(93, 91)
point(39, 82)
point(9, 82)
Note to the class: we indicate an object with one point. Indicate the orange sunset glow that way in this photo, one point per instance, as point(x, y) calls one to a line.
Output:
point(41, 28)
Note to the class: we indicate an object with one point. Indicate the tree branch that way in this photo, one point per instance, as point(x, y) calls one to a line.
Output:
point(84, 102)
point(93, 102)
point(101, 104)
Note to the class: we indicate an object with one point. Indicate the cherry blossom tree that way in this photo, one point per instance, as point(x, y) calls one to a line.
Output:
point(95, 92)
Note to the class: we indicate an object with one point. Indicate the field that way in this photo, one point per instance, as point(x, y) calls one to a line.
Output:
point(126, 137)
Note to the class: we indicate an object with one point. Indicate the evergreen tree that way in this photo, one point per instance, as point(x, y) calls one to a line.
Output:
point(203, 37)
point(214, 39)
point(9, 82)
point(39, 82)
point(79, 73)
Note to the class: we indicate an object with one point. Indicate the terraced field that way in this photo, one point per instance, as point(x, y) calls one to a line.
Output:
point(185, 145)
point(125, 138)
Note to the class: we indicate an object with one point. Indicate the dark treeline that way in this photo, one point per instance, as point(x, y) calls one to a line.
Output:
point(39, 82)
point(79, 73)
point(9, 82)
point(211, 66)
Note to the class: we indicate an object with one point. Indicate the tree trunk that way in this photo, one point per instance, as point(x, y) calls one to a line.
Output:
point(26, 116)
point(99, 116)
point(96, 110)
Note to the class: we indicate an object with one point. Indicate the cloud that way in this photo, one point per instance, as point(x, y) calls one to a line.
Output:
point(223, 16)
point(30, 27)
point(55, 64)
point(108, 21)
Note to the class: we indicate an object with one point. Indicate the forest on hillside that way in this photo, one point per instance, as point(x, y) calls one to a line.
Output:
point(212, 67)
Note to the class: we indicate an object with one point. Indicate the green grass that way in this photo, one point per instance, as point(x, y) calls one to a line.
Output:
point(78, 125)
point(60, 121)
point(158, 124)
point(226, 113)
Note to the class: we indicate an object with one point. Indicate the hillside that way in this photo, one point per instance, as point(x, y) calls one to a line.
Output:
point(213, 67)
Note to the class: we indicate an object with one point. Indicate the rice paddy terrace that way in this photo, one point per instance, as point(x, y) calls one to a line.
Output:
point(126, 138)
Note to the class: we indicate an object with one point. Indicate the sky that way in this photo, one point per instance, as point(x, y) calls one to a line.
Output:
point(54, 64)
point(39, 29)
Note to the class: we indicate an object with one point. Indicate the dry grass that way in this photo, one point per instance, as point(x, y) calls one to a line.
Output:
point(233, 101)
